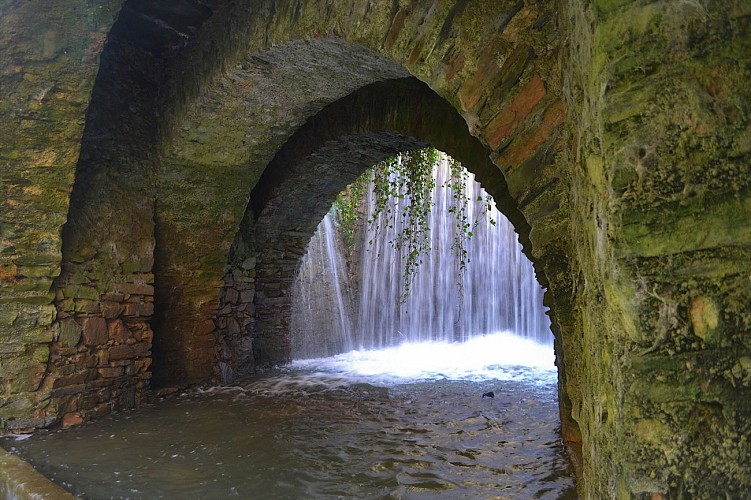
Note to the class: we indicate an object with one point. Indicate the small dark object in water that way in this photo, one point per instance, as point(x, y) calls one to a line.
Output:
point(489, 394)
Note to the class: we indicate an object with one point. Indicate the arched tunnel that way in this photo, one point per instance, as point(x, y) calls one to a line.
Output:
point(167, 164)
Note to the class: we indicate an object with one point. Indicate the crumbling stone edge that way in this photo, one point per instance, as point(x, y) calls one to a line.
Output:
point(20, 481)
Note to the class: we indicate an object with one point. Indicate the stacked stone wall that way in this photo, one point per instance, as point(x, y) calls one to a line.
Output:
point(48, 61)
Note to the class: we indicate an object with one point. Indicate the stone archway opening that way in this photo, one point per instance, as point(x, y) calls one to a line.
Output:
point(180, 243)
point(468, 277)
point(297, 189)
point(211, 125)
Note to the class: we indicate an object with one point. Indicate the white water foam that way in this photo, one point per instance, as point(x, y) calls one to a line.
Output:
point(498, 356)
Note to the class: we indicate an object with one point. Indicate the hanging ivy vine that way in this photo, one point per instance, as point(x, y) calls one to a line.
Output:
point(347, 206)
point(457, 183)
point(402, 188)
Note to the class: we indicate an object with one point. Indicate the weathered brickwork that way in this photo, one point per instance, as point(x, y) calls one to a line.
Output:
point(164, 165)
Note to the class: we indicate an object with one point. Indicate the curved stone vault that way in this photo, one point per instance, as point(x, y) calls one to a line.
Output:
point(165, 163)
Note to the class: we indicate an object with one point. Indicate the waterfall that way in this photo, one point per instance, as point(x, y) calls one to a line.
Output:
point(497, 292)
point(321, 298)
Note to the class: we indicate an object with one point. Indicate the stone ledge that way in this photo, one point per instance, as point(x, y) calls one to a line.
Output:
point(19, 480)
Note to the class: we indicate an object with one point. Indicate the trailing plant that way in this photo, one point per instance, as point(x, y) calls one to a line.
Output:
point(406, 179)
point(459, 209)
point(402, 188)
point(347, 205)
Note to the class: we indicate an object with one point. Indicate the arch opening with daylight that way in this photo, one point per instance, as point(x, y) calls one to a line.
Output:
point(329, 152)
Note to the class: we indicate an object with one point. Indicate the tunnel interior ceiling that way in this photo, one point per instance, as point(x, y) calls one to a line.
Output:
point(145, 143)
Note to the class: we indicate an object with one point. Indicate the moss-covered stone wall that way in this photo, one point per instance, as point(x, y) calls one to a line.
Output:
point(49, 55)
point(146, 145)
point(657, 142)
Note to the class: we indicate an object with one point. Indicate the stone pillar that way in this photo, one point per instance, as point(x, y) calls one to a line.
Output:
point(48, 60)
point(658, 138)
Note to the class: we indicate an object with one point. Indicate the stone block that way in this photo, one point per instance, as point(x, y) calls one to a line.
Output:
point(80, 292)
point(41, 353)
point(113, 297)
point(472, 88)
point(233, 328)
point(49, 271)
point(29, 378)
point(138, 266)
point(88, 401)
point(8, 315)
point(95, 331)
point(69, 332)
point(67, 305)
point(142, 365)
point(76, 378)
point(89, 360)
point(111, 310)
point(9, 349)
point(249, 263)
point(67, 369)
point(71, 419)
point(231, 296)
point(119, 332)
point(110, 371)
point(146, 335)
point(132, 351)
point(21, 424)
point(526, 145)
point(37, 335)
point(135, 289)
point(83, 306)
point(506, 121)
point(102, 410)
point(10, 367)
point(139, 309)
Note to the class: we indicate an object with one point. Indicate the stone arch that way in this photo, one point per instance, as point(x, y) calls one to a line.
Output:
point(224, 128)
point(149, 227)
point(641, 229)
point(298, 187)
point(204, 96)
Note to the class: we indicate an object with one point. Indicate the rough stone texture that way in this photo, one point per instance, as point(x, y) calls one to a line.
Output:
point(655, 377)
point(162, 196)
point(49, 54)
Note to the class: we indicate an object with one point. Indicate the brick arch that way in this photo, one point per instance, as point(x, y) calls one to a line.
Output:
point(190, 106)
point(192, 102)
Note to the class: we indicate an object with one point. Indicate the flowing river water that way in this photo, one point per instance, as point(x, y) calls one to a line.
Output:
point(357, 425)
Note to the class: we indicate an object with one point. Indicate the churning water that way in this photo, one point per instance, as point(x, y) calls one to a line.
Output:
point(357, 425)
